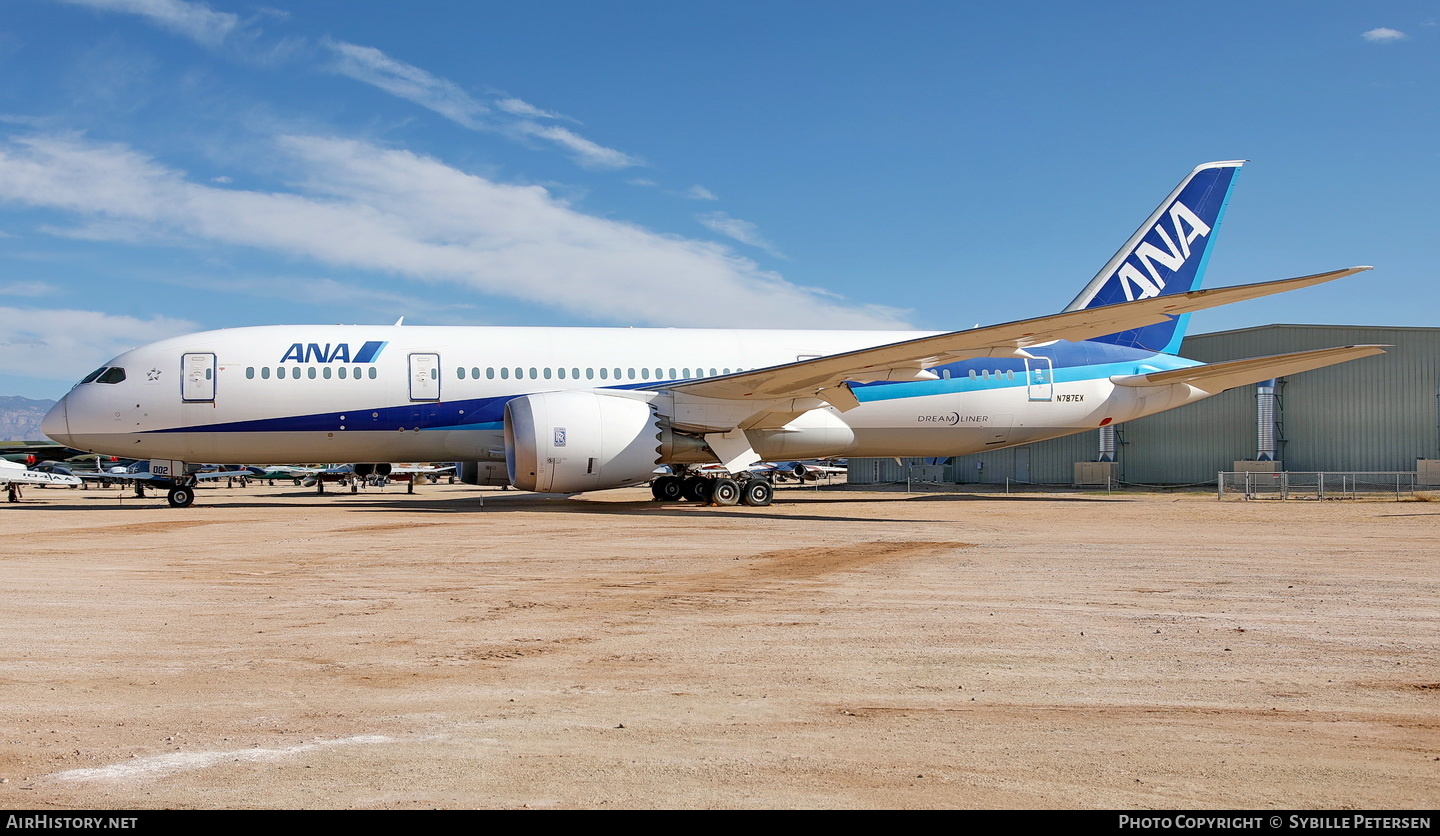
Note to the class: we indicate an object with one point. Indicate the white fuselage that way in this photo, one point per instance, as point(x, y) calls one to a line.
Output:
point(401, 393)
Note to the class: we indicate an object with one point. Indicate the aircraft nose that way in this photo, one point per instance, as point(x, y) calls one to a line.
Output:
point(56, 423)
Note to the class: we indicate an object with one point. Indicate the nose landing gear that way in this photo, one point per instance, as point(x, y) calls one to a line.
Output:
point(181, 497)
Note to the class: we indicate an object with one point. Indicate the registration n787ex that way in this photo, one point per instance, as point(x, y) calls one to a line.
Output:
point(583, 409)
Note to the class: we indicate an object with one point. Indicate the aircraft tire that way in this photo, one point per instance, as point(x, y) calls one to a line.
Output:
point(725, 492)
point(696, 489)
point(180, 497)
point(757, 493)
point(667, 489)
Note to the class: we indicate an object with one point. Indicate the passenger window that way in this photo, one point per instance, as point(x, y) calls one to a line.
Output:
point(533, 375)
point(249, 374)
point(341, 372)
point(372, 372)
point(547, 372)
point(972, 374)
point(460, 372)
point(561, 372)
point(631, 373)
point(575, 373)
point(325, 372)
point(644, 374)
point(504, 372)
point(310, 372)
point(265, 372)
point(604, 374)
point(489, 372)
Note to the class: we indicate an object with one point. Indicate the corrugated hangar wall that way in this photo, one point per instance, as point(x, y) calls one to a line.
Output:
point(1375, 413)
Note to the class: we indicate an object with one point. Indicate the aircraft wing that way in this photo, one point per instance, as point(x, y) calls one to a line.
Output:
point(221, 474)
point(824, 377)
point(1217, 377)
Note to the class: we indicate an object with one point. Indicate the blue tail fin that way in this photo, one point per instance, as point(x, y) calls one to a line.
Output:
point(1167, 254)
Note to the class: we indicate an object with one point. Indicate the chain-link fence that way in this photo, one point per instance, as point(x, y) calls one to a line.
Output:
point(1316, 485)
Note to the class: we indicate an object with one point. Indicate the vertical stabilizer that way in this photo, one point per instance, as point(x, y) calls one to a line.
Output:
point(1166, 255)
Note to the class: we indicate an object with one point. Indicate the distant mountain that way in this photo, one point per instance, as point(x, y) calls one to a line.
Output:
point(20, 418)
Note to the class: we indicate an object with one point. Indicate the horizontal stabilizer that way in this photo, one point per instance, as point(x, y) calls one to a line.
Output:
point(1217, 377)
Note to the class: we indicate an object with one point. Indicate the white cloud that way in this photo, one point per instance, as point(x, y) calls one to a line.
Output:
point(518, 107)
point(742, 231)
point(371, 66)
point(368, 208)
point(193, 20)
point(344, 296)
point(698, 192)
point(66, 344)
point(1383, 35)
point(26, 289)
point(587, 153)
point(508, 115)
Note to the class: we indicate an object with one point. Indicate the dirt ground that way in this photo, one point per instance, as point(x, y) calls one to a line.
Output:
point(273, 648)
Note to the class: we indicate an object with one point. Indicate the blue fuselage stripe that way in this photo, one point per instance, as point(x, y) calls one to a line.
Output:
point(1072, 362)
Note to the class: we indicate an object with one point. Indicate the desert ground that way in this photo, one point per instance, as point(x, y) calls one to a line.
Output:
point(471, 648)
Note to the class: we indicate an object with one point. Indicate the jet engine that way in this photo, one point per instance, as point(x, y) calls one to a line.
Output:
point(566, 442)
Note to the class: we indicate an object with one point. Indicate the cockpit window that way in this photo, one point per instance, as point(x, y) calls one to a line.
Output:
point(114, 374)
point(90, 378)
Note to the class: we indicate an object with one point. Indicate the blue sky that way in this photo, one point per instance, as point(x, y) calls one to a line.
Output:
point(168, 166)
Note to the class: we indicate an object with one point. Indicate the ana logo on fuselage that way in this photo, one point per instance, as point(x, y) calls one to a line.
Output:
point(337, 353)
point(1186, 226)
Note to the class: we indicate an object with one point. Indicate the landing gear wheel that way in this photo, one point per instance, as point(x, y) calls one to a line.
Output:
point(757, 492)
point(725, 492)
point(667, 489)
point(180, 497)
point(696, 489)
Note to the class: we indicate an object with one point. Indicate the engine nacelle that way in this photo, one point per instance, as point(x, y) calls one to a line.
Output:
point(567, 442)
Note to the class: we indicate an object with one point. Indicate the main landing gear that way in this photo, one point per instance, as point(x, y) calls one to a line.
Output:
point(749, 489)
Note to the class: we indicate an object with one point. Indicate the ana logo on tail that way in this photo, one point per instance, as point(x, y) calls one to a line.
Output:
point(1186, 226)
